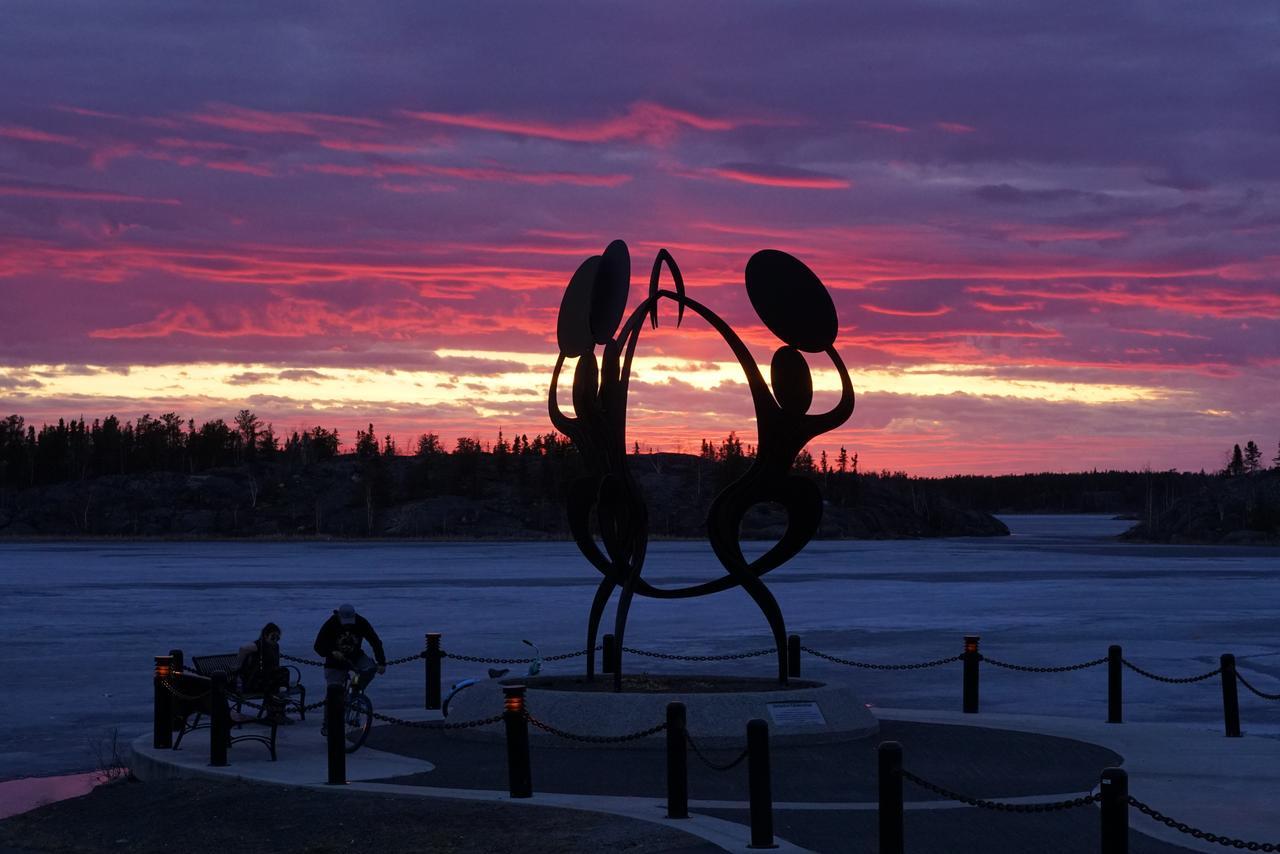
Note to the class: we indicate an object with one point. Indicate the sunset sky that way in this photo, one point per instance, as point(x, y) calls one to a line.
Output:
point(1052, 234)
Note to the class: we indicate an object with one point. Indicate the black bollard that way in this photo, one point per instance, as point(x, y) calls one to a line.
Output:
point(335, 700)
point(677, 762)
point(1115, 685)
point(219, 720)
point(793, 655)
point(759, 784)
point(890, 808)
point(432, 658)
point(519, 777)
point(1230, 699)
point(608, 654)
point(1115, 811)
point(971, 659)
point(162, 736)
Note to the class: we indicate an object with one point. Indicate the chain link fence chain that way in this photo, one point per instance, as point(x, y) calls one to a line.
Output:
point(669, 656)
point(1263, 694)
point(713, 765)
point(594, 739)
point(478, 659)
point(1172, 680)
point(1183, 827)
point(391, 719)
point(315, 663)
point(1025, 668)
point(1001, 806)
point(168, 686)
point(869, 666)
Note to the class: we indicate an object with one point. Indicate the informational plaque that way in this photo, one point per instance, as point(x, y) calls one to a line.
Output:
point(796, 713)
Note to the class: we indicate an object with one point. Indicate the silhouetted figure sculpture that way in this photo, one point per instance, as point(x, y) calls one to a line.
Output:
point(794, 304)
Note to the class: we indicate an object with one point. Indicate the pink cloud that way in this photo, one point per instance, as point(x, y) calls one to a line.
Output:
point(642, 120)
point(29, 134)
point(34, 191)
point(247, 120)
point(775, 177)
point(500, 174)
point(902, 312)
point(883, 126)
point(954, 127)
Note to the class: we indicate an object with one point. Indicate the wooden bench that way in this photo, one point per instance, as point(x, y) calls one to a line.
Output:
point(193, 700)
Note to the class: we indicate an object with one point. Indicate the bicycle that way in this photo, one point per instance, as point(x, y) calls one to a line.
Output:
point(357, 714)
point(535, 667)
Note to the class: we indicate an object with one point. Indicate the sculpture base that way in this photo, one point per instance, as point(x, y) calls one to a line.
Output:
point(717, 708)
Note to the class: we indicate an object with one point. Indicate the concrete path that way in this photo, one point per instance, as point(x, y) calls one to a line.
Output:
point(1227, 786)
point(303, 762)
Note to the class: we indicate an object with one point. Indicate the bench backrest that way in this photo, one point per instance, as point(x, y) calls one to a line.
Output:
point(207, 665)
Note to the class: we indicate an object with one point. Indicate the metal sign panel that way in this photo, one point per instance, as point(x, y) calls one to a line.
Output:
point(796, 713)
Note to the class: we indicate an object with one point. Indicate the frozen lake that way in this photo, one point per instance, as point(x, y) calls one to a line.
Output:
point(85, 618)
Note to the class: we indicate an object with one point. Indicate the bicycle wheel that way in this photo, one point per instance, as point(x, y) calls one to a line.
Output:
point(358, 720)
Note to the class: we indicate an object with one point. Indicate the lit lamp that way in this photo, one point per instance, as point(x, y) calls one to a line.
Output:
point(970, 643)
point(513, 698)
point(164, 666)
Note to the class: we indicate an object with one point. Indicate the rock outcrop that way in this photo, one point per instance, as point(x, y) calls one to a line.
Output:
point(1242, 510)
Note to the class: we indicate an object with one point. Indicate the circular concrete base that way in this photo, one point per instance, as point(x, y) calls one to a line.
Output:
point(717, 708)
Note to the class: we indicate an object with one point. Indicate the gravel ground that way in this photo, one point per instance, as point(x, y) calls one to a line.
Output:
point(206, 817)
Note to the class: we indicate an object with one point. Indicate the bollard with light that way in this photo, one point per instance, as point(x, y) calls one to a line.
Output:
point(971, 657)
point(162, 735)
point(516, 720)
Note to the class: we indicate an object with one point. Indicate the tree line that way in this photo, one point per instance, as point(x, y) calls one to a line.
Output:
point(78, 450)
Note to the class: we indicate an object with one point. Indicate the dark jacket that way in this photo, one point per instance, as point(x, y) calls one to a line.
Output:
point(335, 636)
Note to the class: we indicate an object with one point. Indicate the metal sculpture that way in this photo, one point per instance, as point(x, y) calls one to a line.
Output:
point(794, 305)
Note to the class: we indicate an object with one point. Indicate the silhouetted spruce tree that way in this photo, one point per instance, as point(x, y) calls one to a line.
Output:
point(248, 425)
point(1252, 457)
point(366, 443)
point(1235, 466)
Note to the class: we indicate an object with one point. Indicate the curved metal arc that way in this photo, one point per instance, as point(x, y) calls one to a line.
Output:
point(655, 278)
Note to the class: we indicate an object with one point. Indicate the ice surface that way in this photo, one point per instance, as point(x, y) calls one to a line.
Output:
point(82, 620)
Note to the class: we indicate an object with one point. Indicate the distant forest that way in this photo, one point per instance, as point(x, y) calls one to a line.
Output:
point(76, 450)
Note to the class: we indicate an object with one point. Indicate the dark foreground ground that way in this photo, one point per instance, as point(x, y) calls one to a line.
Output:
point(205, 817)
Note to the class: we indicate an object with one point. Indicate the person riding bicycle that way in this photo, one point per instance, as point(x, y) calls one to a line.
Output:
point(340, 643)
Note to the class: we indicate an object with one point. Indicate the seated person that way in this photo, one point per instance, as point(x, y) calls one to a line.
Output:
point(260, 671)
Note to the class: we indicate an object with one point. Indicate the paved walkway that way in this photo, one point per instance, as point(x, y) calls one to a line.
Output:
point(1228, 786)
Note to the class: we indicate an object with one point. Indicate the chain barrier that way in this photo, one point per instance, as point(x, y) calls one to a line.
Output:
point(868, 666)
point(1263, 694)
point(594, 739)
point(181, 696)
point(315, 663)
point(1172, 680)
point(479, 659)
point(713, 765)
point(673, 657)
point(1026, 668)
point(1001, 806)
point(1213, 838)
point(391, 719)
